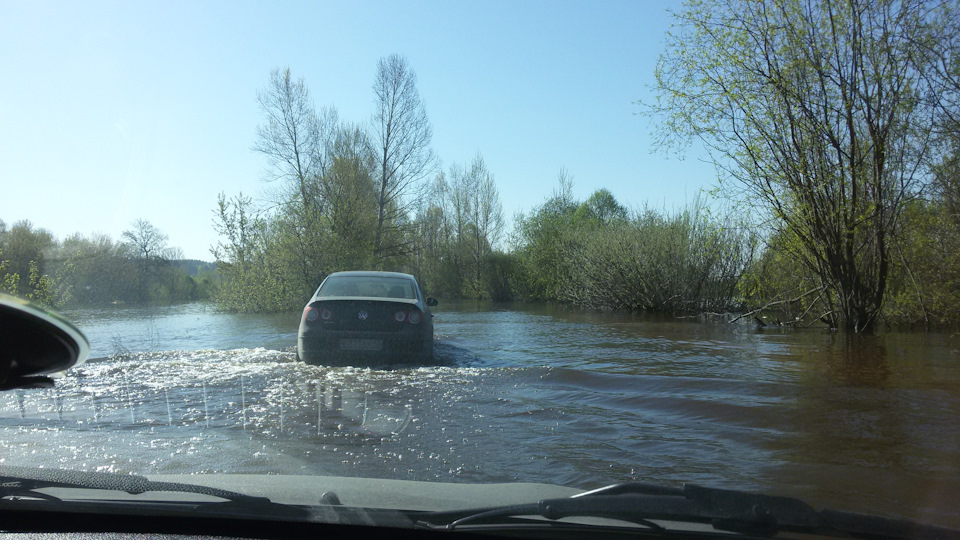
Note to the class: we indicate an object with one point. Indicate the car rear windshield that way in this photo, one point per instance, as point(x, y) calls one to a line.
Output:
point(370, 286)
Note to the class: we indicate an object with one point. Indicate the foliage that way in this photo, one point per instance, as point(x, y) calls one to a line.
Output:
point(822, 112)
point(24, 248)
point(794, 127)
point(595, 255)
point(8, 281)
point(499, 274)
point(92, 271)
point(542, 240)
point(457, 229)
point(250, 278)
point(353, 200)
point(330, 210)
point(925, 279)
point(778, 287)
point(349, 199)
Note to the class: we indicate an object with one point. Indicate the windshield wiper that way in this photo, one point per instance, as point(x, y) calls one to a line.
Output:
point(23, 482)
point(653, 506)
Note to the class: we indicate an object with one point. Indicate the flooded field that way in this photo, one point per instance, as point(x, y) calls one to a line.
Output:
point(519, 393)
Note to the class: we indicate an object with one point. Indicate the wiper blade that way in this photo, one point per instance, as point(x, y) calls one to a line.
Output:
point(725, 510)
point(24, 481)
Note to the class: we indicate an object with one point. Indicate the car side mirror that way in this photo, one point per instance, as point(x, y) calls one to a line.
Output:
point(431, 301)
point(34, 343)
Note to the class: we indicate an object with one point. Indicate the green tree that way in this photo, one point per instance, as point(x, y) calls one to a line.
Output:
point(351, 190)
point(25, 248)
point(595, 254)
point(601, 208)
point(821, 112)
point(103, 271)
point(925, 278)
point(8, 281)
point(946, 180)
point(252, 280)
point(542, 240)
point(779, 287)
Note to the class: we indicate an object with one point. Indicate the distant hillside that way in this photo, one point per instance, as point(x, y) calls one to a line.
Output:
point(193, 267)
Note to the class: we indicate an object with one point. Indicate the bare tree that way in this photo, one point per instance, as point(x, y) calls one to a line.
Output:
point(401, 136)
point(487, 212)
point(297, 141)
point(294, 137)
point(145, 240)
point(487, 218)
point(432, 235)
point(476, 215)
point(149, 247)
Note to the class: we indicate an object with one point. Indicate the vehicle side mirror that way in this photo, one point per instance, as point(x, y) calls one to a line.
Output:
point(35, 343)
point(431, 301)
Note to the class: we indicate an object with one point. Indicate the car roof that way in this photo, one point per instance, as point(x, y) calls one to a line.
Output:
point(371, 273)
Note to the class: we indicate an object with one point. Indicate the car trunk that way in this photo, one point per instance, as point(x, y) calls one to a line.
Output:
point(362, 315)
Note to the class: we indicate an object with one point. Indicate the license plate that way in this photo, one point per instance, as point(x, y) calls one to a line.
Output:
point(361, 344)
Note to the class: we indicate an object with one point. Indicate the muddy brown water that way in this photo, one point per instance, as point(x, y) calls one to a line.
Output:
point(519, 393)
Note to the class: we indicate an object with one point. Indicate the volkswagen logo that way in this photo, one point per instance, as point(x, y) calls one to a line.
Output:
point(362, 315)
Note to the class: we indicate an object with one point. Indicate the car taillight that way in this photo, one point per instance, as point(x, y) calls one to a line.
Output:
point(325, 314)
point(413, 316)
point(310, 313)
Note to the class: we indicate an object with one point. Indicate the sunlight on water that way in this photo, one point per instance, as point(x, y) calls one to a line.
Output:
point(246, 410)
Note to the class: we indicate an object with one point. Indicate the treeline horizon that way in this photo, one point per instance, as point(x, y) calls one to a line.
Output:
point(849, 223)
point(839, 151)
point(594, 254)
point(96, 270)
point(371, 195)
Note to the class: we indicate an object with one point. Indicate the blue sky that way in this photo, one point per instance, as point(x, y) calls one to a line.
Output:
point(114, 111)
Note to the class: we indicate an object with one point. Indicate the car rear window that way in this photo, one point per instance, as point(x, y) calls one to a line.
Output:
point(369, 286)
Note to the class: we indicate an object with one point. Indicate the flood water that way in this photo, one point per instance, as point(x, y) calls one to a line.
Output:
point(520, 393)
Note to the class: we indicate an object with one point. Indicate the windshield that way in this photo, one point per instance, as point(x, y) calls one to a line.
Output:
point(713, 242)
point(375, 287)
